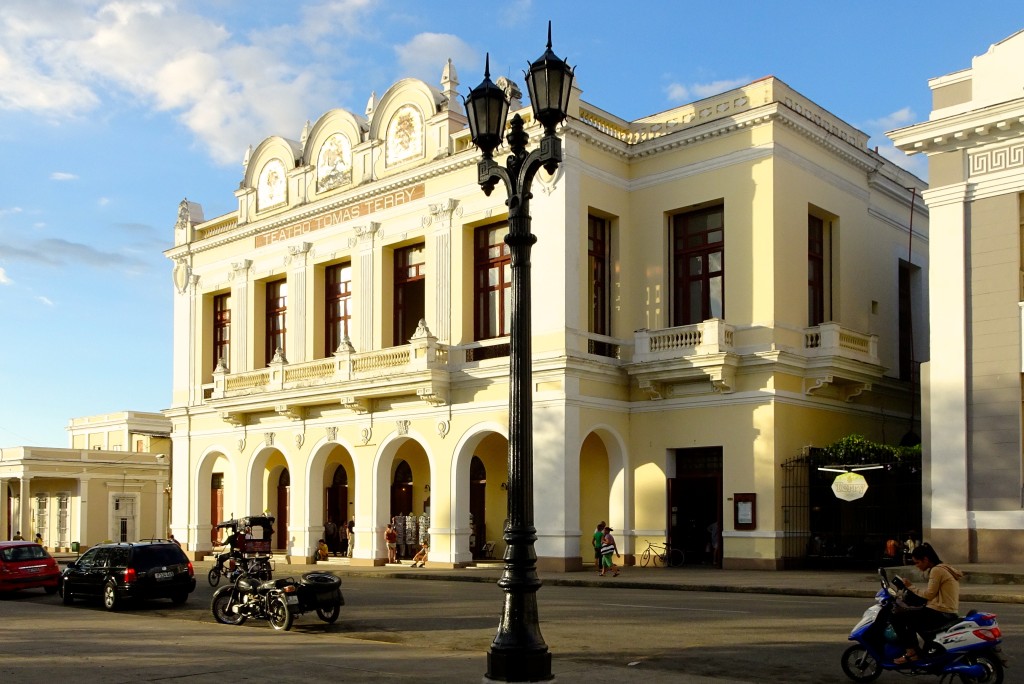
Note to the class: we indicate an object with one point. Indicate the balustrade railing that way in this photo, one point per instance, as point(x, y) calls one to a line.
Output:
point(713, 336)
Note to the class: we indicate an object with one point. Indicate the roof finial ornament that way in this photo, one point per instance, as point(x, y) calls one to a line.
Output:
point(371, 104)
point(248, 155)
point(305, 133)
point(449, 87)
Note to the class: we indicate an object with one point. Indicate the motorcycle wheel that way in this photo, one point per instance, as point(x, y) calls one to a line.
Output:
point(280, 617)
point(993, 670)
point(214, 577)
point(859, 665)
point(219, 608)
point(328, 615)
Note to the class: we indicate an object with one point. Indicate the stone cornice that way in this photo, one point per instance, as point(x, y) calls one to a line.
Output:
point(319, 207)
point(774, 112)
point(969, 129)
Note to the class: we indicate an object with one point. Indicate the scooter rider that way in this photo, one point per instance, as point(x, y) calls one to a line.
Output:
point(942, 594)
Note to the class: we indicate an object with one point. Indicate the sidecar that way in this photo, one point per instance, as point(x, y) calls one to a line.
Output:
point(319, 591)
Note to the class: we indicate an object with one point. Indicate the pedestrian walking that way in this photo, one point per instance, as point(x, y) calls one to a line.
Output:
point(608, 548)
point(351, 536)
point(597, 542)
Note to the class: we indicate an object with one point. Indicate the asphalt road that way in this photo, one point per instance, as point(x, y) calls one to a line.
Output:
point(648, 635)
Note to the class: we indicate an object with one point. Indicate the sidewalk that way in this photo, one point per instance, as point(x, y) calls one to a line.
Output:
point(982, 583)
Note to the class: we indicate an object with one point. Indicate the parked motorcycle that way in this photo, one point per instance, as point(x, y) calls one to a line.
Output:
point(966, 649)
point(279, 601)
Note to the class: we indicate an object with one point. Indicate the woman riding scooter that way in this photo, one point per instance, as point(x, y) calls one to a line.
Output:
point(943, 601)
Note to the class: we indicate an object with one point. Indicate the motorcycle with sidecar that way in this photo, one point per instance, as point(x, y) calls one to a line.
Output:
point(279, 601)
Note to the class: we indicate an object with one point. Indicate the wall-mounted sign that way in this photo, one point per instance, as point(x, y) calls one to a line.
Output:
point(849, 486)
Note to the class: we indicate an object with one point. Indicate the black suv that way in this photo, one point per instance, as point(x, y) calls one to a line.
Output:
point(148, 569)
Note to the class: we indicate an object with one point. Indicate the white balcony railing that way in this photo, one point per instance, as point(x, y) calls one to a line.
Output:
point(713, 336)
point(830, 339)
point(423, 353)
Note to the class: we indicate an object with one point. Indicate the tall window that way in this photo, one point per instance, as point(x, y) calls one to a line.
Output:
point(409, 291)
point(598, 263)
point(815, 270)
point(338, 310)
point(221, 329)
point(277, 308)
point(698, 269)
point(492, 290)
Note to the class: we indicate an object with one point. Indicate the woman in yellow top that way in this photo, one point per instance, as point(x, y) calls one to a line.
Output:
point(942, 595)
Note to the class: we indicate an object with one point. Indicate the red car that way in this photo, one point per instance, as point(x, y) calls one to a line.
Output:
point(26, 565)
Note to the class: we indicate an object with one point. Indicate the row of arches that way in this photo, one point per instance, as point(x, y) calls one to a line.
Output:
point(464, 493)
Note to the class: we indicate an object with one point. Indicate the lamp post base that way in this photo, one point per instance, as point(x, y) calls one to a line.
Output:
point(519, 666)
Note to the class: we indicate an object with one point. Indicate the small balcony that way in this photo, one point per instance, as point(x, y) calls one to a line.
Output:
point(685, 359)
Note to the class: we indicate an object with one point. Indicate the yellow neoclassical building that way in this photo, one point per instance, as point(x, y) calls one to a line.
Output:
point(974, 469)
point(716, 287)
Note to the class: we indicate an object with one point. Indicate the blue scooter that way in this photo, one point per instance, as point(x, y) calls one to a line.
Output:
point(965, 649)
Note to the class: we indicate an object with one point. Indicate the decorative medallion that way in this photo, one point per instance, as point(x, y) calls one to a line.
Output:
point(299, 439)
point(332, 433)
point(443, 428)
point(402, 426)
point(271, 189)
point(334, 163)
point(269, 438)
point(405, 135)
point(365, 434)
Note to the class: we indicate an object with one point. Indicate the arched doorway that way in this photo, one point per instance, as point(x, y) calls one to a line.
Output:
point(216, 505)
point(401, 490)
point(283, 484)
point(477, 506)
point(337, 508)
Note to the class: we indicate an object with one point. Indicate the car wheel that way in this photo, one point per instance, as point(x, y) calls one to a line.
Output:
point(50, 590)
point(111, 601)
point(179, 597)
point(65, 595)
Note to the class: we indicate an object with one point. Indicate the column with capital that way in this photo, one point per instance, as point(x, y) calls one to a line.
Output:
point(5, 530)
point(24, 524)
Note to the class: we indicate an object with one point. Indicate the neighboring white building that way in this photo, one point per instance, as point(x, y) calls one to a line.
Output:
point(114, 483)
point(715, 287)
point(974, 140)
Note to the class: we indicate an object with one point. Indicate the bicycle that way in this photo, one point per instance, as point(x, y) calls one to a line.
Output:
point(662, 555)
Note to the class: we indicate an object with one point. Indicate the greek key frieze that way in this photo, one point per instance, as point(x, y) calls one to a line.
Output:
point(997, 159)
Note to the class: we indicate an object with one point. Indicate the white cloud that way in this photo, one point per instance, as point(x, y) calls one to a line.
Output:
point(63, 176)
point(897, 119)
point(45, 300)
point(10, 210)
point(678, 92)
point(59, 59)
point(4, 279)
point(424, 56)
point(103, 201)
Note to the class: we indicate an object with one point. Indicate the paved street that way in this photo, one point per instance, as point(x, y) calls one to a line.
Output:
point(439, 631)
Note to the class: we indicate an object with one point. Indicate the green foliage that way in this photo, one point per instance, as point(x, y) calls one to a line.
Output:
point(858, 450)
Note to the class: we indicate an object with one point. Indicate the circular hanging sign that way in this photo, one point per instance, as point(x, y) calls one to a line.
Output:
point(849, 486)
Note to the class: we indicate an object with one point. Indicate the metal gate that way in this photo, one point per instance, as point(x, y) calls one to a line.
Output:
point(823, 531)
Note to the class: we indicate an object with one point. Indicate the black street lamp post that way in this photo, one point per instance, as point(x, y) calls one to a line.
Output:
point(518, 652)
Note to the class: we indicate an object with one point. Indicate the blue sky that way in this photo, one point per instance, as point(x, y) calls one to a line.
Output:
point(112, 112)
